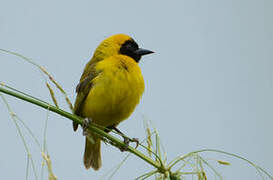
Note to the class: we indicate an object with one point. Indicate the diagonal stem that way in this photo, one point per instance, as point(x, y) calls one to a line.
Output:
point(79, 120)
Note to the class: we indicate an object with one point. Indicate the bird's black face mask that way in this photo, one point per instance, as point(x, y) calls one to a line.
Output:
point(131, 49)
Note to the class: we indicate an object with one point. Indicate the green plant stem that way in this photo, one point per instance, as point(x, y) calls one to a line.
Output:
point(258, 168)
point(239, 157)
point(79, 120)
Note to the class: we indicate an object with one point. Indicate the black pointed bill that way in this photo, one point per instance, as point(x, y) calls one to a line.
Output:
point(142, 52)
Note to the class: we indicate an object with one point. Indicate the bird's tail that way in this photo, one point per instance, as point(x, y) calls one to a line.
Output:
point(92, 157)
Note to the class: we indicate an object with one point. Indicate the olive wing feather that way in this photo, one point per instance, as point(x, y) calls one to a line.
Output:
point(83, 89)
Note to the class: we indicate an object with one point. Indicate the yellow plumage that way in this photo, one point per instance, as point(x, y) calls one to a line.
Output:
point(116, 91)
point(110, 88)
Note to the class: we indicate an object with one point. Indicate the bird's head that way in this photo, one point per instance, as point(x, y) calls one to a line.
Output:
point(120, 44)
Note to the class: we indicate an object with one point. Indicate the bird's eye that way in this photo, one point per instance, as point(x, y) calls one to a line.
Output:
point(128, 47)
point(131, 46)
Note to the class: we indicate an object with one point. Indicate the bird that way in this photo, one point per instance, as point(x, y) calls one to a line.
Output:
point(110, 88)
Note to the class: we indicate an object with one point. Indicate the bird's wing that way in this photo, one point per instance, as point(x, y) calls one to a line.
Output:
point(83, 89)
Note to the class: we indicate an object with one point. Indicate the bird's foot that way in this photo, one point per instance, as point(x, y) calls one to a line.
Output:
point(126, 141)
point(85, 124)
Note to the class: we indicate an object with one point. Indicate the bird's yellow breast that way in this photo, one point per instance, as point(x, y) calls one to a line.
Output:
point(115, 91)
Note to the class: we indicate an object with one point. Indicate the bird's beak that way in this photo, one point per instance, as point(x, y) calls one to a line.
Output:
point(142, 52)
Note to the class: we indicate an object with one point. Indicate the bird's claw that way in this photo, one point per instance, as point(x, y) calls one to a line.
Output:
point(85, 125)
point(136, 141)
point(126, 141)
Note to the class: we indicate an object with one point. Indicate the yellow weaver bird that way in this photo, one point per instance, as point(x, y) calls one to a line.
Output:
point(109, 90)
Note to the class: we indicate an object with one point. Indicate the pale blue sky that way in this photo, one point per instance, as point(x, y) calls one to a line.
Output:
point(209, 84)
